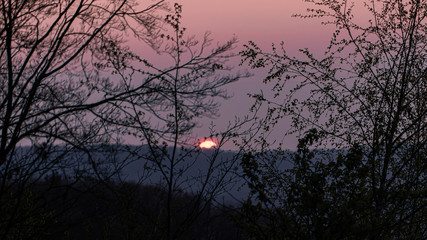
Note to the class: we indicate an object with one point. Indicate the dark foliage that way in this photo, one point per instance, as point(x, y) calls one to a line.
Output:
point(90, 209)
point(366, 98)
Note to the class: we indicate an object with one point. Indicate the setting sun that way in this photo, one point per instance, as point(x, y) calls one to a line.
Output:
point(207, 144)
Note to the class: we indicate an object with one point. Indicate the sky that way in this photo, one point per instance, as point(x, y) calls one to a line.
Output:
point(264, 23)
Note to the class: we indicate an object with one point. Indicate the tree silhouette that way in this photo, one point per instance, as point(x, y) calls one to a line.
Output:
point(366, 98)
point(162, 114)
point(72, 90)
point(48, 78)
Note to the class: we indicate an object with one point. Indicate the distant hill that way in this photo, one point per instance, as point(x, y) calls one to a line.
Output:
point(128, 163)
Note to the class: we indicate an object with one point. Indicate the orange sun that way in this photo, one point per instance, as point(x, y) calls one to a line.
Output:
point(207, 144)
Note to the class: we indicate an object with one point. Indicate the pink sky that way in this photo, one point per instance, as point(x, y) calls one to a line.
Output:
point(263, 22)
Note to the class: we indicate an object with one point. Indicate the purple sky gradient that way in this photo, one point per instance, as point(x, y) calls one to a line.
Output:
point(264, 23)
point(250, 20)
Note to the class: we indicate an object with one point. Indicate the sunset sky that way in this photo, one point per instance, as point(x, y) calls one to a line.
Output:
point(264, 23)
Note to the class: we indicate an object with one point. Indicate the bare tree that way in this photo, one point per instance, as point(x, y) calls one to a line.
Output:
point(48, 88)
point(161, 115)
point(70, 83)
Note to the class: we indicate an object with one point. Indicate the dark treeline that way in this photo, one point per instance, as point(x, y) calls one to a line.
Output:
point(59, 208)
